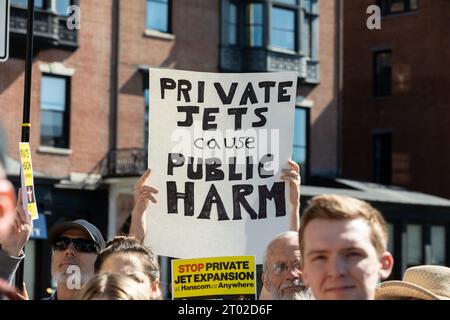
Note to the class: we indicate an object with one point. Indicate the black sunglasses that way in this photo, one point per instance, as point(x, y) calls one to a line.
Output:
point(81, 245)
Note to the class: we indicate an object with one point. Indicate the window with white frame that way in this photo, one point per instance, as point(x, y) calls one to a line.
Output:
point(55, 113)
point(283, 33)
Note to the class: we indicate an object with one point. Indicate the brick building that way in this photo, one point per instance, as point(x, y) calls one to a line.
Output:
point(395, 124)
point(69, 116)
point(395, 95)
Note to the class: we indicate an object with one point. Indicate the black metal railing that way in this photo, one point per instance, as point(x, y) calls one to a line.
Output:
point(236, 59)
point(124, 163)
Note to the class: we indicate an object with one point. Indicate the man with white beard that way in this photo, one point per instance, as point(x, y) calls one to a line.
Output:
point(281, 268)
point(75, 246)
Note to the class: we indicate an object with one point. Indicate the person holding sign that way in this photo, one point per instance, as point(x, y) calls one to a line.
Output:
point(274, 285)
point(15, 229)
point(13, 241)
point(143, 194)
point(343, 243)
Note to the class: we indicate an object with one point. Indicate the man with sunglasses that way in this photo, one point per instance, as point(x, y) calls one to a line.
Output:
point(75, 247)
point(281, 268)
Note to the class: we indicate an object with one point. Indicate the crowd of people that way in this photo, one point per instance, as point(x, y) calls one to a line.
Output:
point(337, 251)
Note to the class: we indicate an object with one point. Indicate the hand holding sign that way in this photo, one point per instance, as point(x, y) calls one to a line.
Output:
point(292, 175)
point(23, 227)
point(142, 195)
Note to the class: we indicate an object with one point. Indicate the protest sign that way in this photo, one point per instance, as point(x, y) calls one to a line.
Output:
point(217, 145)
point(29, 200)
point(230, 278)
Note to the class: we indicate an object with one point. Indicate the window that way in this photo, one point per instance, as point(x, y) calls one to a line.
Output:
point(61, 7)
point(39, 4)
point(233, 24)
point(438, 245)
point(382, 158)
point(414, 255)
point(300, 147)
point(283, 30)
point(397, 6)
point(306, 35)
point(309, 26)
point(146, 113)
point(55, 117)
point(382, 73)
point(158, 15)
point(254, 25)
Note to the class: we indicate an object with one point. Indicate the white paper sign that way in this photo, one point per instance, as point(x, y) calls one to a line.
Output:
point(217, 144)
point(4, 30)
point(27, 183)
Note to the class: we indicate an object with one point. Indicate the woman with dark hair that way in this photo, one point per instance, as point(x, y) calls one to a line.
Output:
point(127, 256)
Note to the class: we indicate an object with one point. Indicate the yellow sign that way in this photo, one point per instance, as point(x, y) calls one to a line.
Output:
point(29, 200)
point(214, 278)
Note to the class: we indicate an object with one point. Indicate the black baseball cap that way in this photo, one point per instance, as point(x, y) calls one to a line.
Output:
point(80, 224)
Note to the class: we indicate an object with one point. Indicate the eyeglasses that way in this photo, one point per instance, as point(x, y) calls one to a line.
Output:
point(80, 245)
point(281, 267)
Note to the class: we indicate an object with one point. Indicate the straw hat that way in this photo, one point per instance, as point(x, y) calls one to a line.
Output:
point(421, 282)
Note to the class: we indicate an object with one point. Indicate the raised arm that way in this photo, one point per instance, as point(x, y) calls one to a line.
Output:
point(142, 195)
point(292, 175)
point(13, 241)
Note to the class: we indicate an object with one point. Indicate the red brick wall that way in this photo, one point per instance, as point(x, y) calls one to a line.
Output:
point(417, 112)
point(196, 27)
point(324, 114)
point(89, 96)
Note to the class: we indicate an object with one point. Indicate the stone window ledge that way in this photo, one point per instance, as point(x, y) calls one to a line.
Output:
point(158, 34)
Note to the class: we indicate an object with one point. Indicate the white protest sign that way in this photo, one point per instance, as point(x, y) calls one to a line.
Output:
point(217, 145)
point(4, 30)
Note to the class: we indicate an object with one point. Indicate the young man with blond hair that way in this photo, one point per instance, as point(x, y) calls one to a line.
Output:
point(343, 243)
